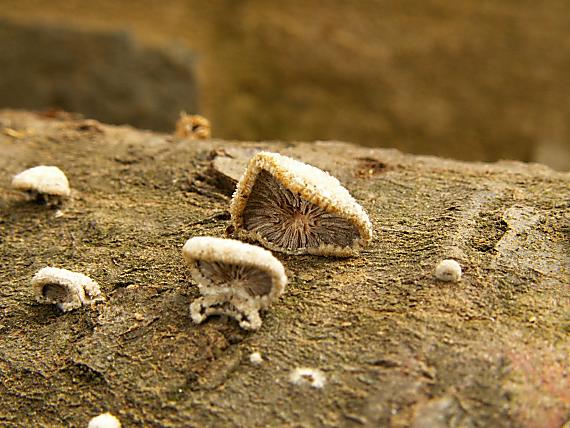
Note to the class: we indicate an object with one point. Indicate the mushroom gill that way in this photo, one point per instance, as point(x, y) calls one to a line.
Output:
point(56, 293)
point(255, 281)
point(234, 278)
point(290, 222)
point(66, 289)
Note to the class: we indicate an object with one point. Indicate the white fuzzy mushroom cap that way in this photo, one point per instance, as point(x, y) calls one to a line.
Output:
point(230, 251)
point(313, 185)
point(235, 279)
point(48, 180)
point(80, 289)
point(106, 420)
point(448, 270)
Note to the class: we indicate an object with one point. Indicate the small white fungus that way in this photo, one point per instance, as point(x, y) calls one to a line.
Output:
point(106, 420)
point(64, 288)
point(306, 376)
point(255, 358)
point(448, 270)
point(234, 278)
point(193, 127)
point(295, 208)
point(45, 183)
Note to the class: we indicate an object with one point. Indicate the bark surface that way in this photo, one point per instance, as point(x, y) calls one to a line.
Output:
point(398, 347)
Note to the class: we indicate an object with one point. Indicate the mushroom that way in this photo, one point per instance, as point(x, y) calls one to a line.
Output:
point(296, 208)
point(307, 376)
point(448, 270)
point(66, 289)
point(46, 184)
point(194, 127)
point(105, 420)
point(235, 279)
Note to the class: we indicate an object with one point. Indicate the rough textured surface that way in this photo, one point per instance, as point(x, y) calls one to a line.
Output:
point(398, 347)
point(475, 80)
point(107, 75)
point(235, 278)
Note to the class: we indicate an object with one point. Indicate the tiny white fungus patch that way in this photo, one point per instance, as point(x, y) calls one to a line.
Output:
point(306, 376)
point(105, 420)
point(45, 183)
point(255, 358)
point(64, 288)
point(448, 270)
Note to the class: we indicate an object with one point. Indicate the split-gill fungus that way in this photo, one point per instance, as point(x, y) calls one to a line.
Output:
point(66, 289)
point(46, 184)
point(295, 208)
point(234, 278)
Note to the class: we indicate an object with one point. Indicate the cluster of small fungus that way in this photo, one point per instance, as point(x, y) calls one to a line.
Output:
point(255, 358)
point(286, 206)
point(295, 208)
point(283, 204)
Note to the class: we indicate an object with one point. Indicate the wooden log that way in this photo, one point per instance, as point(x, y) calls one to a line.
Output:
point(397, 346)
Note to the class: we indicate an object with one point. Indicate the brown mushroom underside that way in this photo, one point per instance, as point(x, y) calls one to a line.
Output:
point(255, 281)
point(55, 292)
point(290, 222)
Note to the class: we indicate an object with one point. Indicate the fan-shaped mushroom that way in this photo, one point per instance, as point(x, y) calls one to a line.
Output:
point(296, 208)
point(47, 184)
point(235, 279)
point(66, 289)
point(307, 376)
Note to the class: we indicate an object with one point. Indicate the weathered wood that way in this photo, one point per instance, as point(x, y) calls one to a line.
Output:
point(398, 347)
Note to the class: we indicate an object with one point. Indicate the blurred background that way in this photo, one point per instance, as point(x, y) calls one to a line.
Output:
point(468, 79)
